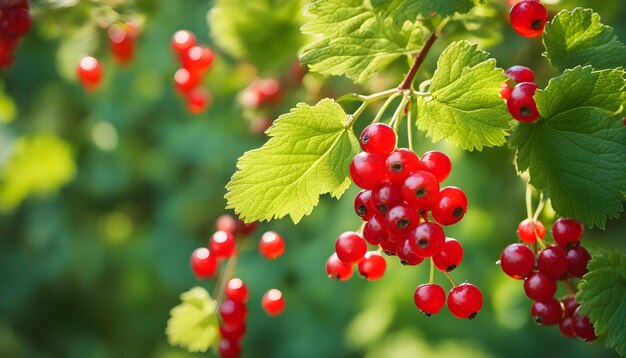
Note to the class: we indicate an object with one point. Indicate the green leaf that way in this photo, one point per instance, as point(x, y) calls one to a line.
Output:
point(352, 40)
point(602, 296)
point(577, 152)
point(578, 37)
point(308, 154)
point(193, 323)
point(409, 10)
point(464, 105)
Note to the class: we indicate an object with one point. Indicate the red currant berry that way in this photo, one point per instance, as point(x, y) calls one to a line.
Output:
point(373, 266)
point(232, 312)
point(271, 245)
point(450, 256)
point(222, 244)
point(553, 261)
point(521, 103)
point(273, 302)
point(232, 333)
point(449, 206)
point(363, 206)
point(122, 43)
point(505, 91)
point(400, 164)
point(386, 196)
point(17, 22)
point(236, 290)
point(520, 74)
point(582, 327)
point(182, 41)
point(375, 230)
point(570, 305)
point(517, 261)
point(197, 100)
point(566, 327)
point(229, 348)
point(378, 138)
point(567, 232)
point(577, 259)
point(528, 18)
point(547, 313)
point(335, 268)
point(420, 189)
point(89, 72)
point(368, 170)
point(203, 263)
point(230, 224)
point(465, 300)
point(539, 286)
point(402, 218)
point(429, 298)
point(185, 81)
point(427, 239)
point(388, 246)
point(350, 247)
point(437, 163)
point(529, 230)
point(198, 59)
point(406, 255)
point(269, 90)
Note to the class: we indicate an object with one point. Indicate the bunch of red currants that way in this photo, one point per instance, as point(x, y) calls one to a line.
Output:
point(15, 22)
point(518, 94)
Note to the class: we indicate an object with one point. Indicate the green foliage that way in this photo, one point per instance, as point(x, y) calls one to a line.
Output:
point(193, 323)
point(7, 107)
point(602, 296)
point(308, 154)
point(576, 153)
point(579, 38)
point(352, 40)
point(463, 105)
point(409, 10)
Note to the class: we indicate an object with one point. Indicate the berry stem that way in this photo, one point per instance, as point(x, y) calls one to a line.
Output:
point(432, 271)
point(570, 287)
point(539, 207)
point(450, 278)
point(409, 127)
point(225, 276)
point(397, 116)
point(367, 100)
point(382, 109)
point(529, 201)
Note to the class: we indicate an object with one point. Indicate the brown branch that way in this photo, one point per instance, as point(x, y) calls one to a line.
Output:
point(421, 56)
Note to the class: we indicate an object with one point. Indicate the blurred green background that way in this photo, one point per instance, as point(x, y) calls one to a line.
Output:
point(104, 196)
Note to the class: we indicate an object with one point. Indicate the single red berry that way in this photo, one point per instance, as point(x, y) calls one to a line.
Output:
point(401, 163)
point(122, 42)
point(182, 41)
point(437, 163)
point(367, 170)
point(465, 301)
point(233, 312)
point(230, 224)
point(197, 100)
point(547, 313)
point(566, 327)
point(528, 18)
point(577, 259)
point(406, 255)
point(582, 327)
point(450, 256)
point(517, 261)
point(375, 230)
point(429, 298)
point(427, 239)
point(505, 91)
point(232, 333)
point(402, 218)
point(236, 290)
point(386, 196)
point(271, 245)
point(185, 81)
point(553, 261)
point(539, 286)
point(222, 244)
point(373, 266)
point(567, 232)
point(521, 104)
point(529, 230)
point(569, 305)
point(269, 91)
point(335, 268)
point(203, 263)
point(449, 206)
point(273, 302)
point(388, 246)
point(350, 247)
point(363, 206)
point(520, 74)
point(229, 348)
point(198, 59)
point(89, 72)
point(378, 138)
point(420, 189)
point(16, 22)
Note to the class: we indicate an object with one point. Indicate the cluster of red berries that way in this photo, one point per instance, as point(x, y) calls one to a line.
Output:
point(399, 192)
point(261, 94)
point(196, 60)
point(528, 18)
point(542, 270)
point(15, 22)
point(518, 94)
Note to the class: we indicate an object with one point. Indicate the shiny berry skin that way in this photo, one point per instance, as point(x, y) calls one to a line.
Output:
point(465, 300)
point(185, 81)
point(222, 244)
point(517, 261)
point(400, 164)
point(402, 218)
point(570, 305)
point(89, 72)
point(577, 259)
point(567, 232)
point(350, 247)
point(228, 348)
point(406, 255)
point(386, 196)
point(271, 245)
point(232, 333)
point(553, 261)
point(427, 239)
point(582, 327)
point(368, 170)
point(505, 91)
point(122, 42)
point(520, 74)
point(521, 104)
point(273, 302)
point(236, 290)
point(528, 18)
point(203, 263)
point(566, 327)
point(389, 247)
point(547, 313)
point(378, 138)
point(182, 41)
point(539, 286)
point(373, 266)
point(363, 206)
point(450, 256)
point(233, 312)
point(437, 163)
point(527, 228)
point(16, 22)
point(429, 298)
point(336, 269)
point(449, 206)
point(375, 230)
point(420, 189)
point(198, 59)
point(197, 100)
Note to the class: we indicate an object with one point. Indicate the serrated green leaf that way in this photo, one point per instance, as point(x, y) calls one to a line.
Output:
point(308, 154)
point(409, 10)
point(352, 40)
point(576, 153)
point(578, 37)
point(193, 323)
point(602, 296)
point(464, 106)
